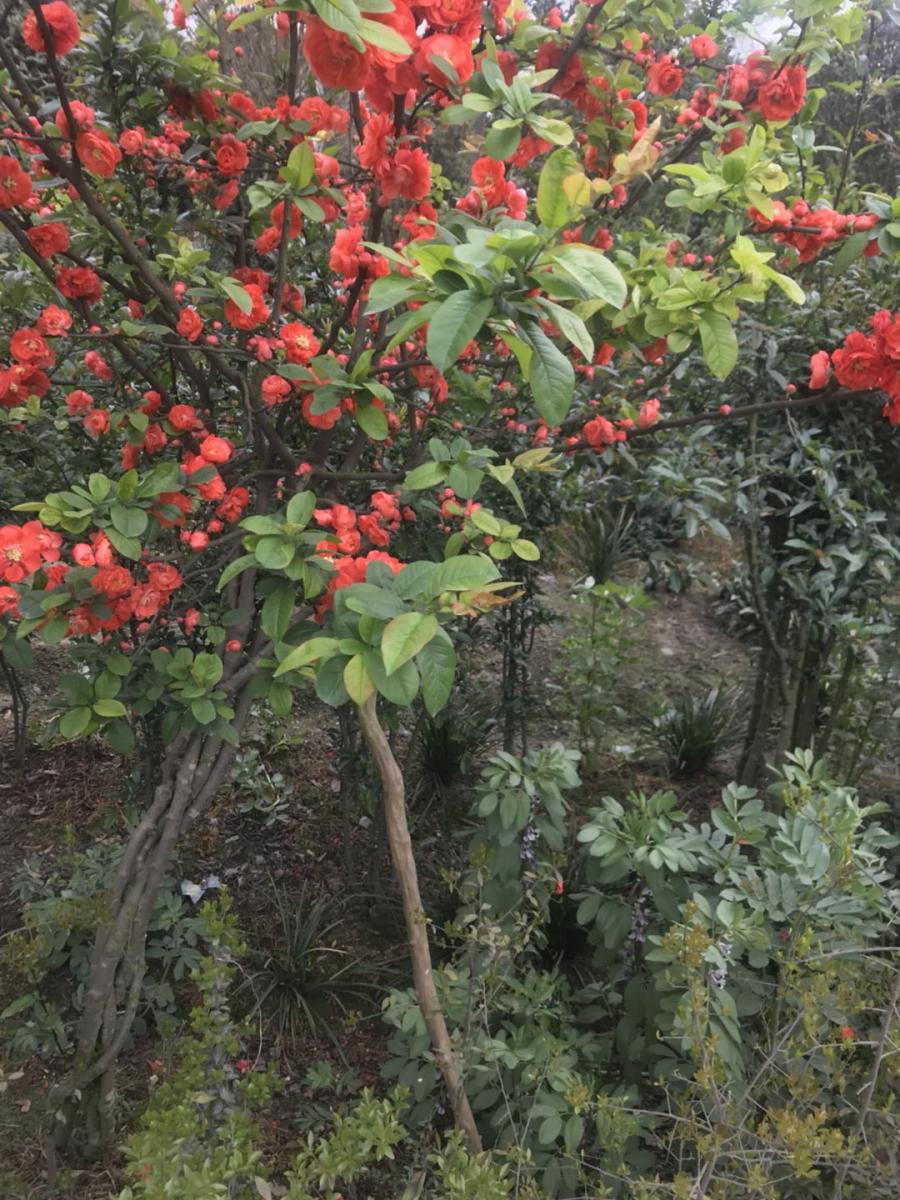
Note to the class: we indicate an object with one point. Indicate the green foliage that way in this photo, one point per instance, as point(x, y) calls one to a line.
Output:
point(598, 540)
point(46, 961)
point(263, 793)
point(515, 853)
point(197, 1136)
point(696, 727)
point(299, 980)
point(598, 649)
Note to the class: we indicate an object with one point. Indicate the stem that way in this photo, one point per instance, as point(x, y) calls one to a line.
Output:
point(416, 922)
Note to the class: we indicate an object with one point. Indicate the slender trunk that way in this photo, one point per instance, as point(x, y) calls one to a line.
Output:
point(837, 701)
point(416, 922)
point(795, 680)
point(765, 695)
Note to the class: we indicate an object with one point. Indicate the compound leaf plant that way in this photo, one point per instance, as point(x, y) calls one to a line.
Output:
point(249, 342)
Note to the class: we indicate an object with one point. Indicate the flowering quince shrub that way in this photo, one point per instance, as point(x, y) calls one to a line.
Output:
point(264, 340)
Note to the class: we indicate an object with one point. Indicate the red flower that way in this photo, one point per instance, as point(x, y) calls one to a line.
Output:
point(190, 325)
point(664, 77)
point(347, 254)
point(78, 402)
point(216, 449)
point(445, 14)
point(332, 58)
point(374, 146)
point(54, 321)
point(233, 504)
point(450, 49)
point(847, 1033)
point(407, 173)
point(225, 195)
point(96, 421)
point(182, 417)
point(702, 46)
point(300, 343)
point(780, 97)
point(275, 390)
point(97, 365)
point(98, 154)
point(231, 155)
point(819, 369)
point(82, 114)
point(649, 413)
point(15, 184)
point(50, 238)
point(20, 551)
point(859, 363)
point(28, 346)
point(132, 141)
point(63, 25)
point(322, 420)
point(737, 85)
point(79, 283)
point(403, 23)
point(257, 315)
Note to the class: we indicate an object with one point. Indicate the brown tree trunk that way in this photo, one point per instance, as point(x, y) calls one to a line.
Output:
point(416, 922)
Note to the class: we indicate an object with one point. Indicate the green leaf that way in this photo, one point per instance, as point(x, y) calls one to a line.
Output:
point(437, 666)
point(525, 549)
point(126, 546)
point(203, 711)
point(400, 687)
point(110, 708)
point(277, 609)
point(372, 421)
point(549, 1130)
point(377, 34)
point(206, 669)
point(388, 291)
point(851, 249)
point(502, 141)
point(99, 486)
point(273, 553)
point(720, 345)
point(74, 722)
point(404, 637)
point(571, 327)
point(454, 325)
point(235, 568)
point(462, 573)
point(130, 522)
point(300, 508)
point(371, 601)
point(342, 15)
point(429, 474)
point(330, 682)
point(236, 292)
point(300, 167)
point(356, 680)
point(551, 376)
point(554, 207)
point(309, 651)
point(120, 736)
point(593, 272)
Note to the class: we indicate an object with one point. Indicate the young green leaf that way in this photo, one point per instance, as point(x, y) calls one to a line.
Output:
point(404, 637)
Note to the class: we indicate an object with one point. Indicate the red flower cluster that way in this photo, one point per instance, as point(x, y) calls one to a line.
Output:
point(63, 26)
point(25, 548)
point(810, 230)
point(866, 362)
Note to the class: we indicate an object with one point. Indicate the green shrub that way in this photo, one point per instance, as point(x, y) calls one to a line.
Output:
point(696, 728)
